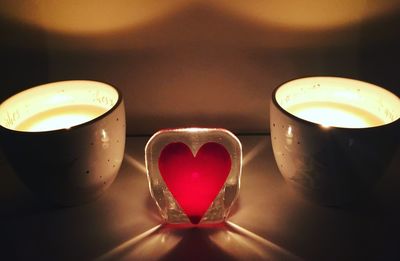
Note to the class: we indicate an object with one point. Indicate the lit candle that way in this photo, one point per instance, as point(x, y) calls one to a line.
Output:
point(338, 102)
point(333, 138)
point(335, 114)
point(74, 129)
point(59, 105)
point(60, 118)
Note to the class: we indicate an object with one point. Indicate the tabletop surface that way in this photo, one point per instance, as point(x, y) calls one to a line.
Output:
point(268, 222)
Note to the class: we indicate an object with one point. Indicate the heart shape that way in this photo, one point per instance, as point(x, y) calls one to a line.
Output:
point(194, 181)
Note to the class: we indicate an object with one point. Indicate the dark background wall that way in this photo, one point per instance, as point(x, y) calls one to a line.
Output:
point(205, 63)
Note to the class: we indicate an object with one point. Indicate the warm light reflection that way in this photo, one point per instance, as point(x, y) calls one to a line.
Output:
point(85, 17)
point(150, 245)
point(310, 14)
point(159, 241)
point(289, 135)
point(135, 163)
point(191, 129)
point(246, 245)
point(253, 153)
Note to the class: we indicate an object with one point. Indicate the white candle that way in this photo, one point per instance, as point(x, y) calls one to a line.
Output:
point(58, 105)
point(60, 118)
point(335, 114)
point(338, 102)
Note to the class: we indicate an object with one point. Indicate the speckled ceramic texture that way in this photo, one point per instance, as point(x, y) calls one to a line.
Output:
point(69, 166)
point(332, 166)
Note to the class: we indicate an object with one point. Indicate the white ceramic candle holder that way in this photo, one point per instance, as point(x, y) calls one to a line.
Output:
point(65, 140)
point(333, 137)
point(194, 174)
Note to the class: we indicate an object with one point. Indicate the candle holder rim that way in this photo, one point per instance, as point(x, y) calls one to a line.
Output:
point(72, 128)
point(229, 133)
point(330, 128)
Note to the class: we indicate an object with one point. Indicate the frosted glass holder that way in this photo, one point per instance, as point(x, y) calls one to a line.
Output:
point(194, 174)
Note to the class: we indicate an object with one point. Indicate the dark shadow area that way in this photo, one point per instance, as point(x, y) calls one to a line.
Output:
point(379, 52)
point(34, 229)
point(24, 58)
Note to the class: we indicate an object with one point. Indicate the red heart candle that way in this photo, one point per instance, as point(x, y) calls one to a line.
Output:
point(194, 173)
point(194, 181)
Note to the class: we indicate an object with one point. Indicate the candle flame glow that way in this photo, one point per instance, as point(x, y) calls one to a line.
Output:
point(59, 122)
point(338, 102)
point(60, 118)
point(334, 115)
point(57, 105)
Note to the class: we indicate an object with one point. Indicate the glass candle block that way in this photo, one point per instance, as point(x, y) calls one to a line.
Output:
point(194, 174)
